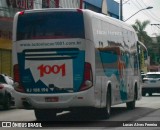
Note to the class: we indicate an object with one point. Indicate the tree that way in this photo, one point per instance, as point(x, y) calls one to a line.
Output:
point(144, 38)
point(158, 39)
point(142, 34)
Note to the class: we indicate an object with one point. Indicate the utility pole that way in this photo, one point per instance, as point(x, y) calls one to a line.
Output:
point(149, 7)
point(156, 25)
point(121, 10)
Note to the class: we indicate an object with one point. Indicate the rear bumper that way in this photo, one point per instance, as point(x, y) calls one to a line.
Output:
point(65, 101)
point(151, 89)
point(150, 85)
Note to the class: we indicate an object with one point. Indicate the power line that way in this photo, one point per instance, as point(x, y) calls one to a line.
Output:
point(151, 13)
point(150, 16)
point(153, 30)
point(125, 2)
point(157, 25)
point(147, 14)
point(135, 4)
point(138, 6)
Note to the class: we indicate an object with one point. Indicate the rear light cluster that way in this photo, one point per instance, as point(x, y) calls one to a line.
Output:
point(88, 77)
point(1, 86)
point(144, 80)
point(79, 11)
point(17, 84)
point(21, 13)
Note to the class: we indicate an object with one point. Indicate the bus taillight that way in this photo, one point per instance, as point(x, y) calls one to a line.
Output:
point(21, 13)
point(79, 11)
point(1, 86)
point(17, 85)
point(88, 77)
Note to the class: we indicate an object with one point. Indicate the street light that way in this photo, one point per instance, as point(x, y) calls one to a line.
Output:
point(149, 7)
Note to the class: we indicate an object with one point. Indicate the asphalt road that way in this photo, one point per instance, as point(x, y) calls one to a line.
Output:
point(144, 107)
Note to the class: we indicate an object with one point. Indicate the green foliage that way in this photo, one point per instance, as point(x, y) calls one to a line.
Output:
point(142, 34)
point(158, 39)
point(144, 38)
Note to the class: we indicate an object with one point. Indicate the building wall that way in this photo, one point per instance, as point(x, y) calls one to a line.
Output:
point(6, 62)
point(5, 45)
point(112, 7)
point(92, 7)
point(70, 3)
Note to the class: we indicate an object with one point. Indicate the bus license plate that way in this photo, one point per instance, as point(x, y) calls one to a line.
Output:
point(51, 99)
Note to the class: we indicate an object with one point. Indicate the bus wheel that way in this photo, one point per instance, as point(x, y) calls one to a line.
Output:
point(108, 104)
point(45, 114)
point(131, 105)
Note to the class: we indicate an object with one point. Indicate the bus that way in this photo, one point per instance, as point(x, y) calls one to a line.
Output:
point(73, 60)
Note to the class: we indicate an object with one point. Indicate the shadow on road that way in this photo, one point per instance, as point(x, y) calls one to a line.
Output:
point(2, 109)
point(97, 119)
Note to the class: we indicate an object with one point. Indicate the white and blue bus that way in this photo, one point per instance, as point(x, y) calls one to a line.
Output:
point(72, 59)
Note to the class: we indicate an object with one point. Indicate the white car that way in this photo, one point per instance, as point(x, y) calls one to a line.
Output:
point(6, 91)
point(151, 83)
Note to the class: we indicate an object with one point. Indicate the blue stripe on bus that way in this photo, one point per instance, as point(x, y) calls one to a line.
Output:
point(109, 58)
point(78, 70)
point(27, 80)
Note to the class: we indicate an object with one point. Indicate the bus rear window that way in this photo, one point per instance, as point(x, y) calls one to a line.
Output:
point(50, 25)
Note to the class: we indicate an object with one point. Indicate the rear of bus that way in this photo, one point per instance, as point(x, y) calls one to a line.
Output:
point(51, 68)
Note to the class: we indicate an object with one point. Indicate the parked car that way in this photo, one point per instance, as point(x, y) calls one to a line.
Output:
point(151, 83)
point(143, 75)
point(6, 91)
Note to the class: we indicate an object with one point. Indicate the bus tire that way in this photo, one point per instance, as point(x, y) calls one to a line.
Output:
point(131, 105)
point(108, 104)
point(45, 114)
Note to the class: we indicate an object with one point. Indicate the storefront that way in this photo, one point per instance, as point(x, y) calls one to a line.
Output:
point(8, 8)
point(6, 45)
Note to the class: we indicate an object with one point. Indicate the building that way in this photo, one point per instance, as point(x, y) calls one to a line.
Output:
point(8, 8)
point(154, 51)
point(98, 6)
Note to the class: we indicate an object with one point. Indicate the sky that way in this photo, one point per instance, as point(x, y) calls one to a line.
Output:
point(130, 7)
